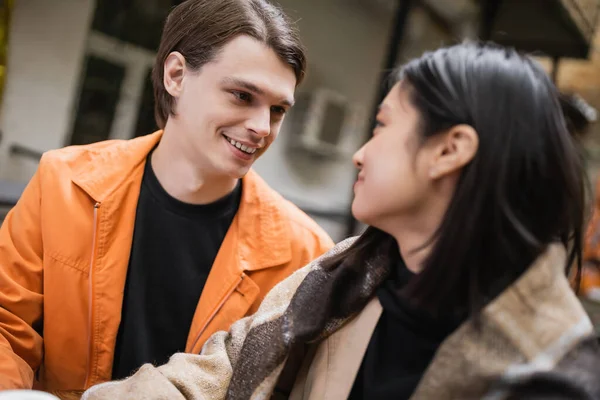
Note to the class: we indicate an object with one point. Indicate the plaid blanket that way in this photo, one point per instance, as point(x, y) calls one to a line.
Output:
point(529, 328)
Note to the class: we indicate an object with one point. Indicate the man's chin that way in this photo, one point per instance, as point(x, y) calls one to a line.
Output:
point(239, 173)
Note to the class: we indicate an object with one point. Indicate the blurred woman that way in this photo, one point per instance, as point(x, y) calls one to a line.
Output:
point(473, 191)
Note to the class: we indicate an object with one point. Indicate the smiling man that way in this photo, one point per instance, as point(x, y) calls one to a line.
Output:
point(124, 252)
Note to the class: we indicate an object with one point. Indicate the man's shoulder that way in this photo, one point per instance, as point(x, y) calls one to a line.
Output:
point(99, 156)
point(71, 157)
point(68, 160)
point(300, 223)
point(75, 154)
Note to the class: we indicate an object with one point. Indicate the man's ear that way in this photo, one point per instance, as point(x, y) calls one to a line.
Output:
point(174, 71)
point(456, 149)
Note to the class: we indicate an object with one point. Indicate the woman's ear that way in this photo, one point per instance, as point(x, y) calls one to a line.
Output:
point(456, 149)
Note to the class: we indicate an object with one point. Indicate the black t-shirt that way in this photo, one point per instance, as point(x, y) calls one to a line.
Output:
point(402, 345)
point(174, 247)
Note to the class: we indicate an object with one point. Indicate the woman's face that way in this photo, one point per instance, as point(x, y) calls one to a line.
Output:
point(394, 164)
point(406, 181)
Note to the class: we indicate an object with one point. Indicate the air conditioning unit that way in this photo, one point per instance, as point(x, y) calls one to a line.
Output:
point(324, 124)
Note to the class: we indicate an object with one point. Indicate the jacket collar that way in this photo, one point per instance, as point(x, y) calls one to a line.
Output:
point(528, 328)
point(106, 166)
point(264, 231)
point(264, 227)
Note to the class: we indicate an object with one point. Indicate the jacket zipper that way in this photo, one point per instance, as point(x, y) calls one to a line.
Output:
point(212, 316)
point(90, 294)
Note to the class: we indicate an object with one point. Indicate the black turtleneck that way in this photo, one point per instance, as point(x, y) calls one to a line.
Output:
point(402, 345)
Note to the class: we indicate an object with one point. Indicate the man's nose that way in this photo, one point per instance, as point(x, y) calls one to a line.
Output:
point(260, 122)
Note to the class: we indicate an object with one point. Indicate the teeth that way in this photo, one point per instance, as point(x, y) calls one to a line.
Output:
point(242, 147)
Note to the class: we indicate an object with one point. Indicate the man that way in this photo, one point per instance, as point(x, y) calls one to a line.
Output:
point(125, 252)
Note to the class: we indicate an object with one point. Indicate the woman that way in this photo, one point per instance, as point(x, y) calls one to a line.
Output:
point(473, 192)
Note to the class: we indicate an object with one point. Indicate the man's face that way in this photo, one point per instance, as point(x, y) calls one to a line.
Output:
point(230, 111)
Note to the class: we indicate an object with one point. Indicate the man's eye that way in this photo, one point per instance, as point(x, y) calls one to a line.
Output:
point(242, 96)
point(278, 110)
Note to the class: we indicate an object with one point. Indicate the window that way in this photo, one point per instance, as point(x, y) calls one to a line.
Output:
point(116, 100)
point(138, 22)
point(145, 119)
point(97, 101)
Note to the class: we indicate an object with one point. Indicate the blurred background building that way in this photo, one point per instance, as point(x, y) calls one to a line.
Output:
point(77, 71)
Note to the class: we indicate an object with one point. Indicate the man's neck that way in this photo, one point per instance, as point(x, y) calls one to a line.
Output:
point(185, 180)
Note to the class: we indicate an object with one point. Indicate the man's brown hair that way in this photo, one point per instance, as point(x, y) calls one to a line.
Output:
point(198, 29)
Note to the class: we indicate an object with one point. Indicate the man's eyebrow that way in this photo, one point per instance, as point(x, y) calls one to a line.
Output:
point(252, 88)
point(244, 84)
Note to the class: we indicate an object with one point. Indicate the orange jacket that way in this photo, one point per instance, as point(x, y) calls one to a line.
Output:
point(590, 278)
point(64, 253)
point(591, 249)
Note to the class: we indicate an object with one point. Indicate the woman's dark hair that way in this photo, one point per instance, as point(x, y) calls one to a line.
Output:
point(523, 190)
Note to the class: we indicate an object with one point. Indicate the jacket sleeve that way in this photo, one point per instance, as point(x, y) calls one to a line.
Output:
point(21, 290)
point(591, 244)
point(205, 376)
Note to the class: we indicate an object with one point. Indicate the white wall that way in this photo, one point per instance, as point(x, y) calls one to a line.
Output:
point(346, 45)
point(46, 48)
point(346, 49)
